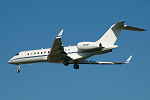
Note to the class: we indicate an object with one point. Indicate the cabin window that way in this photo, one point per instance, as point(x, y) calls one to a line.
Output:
point(48, 51)
point(28, 54)
point(41, 52)
point(34, 53)
point(38, 53)
point(44, 51)
point(31, 53)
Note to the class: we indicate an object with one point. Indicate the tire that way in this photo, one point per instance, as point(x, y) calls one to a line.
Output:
point(76, 66)
point(66, 63)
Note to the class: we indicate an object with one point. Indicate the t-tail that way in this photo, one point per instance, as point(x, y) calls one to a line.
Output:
point(110, 37)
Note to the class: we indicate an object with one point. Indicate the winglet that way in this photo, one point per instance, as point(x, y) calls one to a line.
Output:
point(60, 34)
point(128, 60)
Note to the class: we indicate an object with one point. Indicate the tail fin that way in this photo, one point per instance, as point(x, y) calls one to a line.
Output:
point(110, 37)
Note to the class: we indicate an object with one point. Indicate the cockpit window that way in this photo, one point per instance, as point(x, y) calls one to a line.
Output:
point(17, 54)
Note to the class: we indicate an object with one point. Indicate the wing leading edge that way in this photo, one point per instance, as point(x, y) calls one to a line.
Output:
point(104, 63)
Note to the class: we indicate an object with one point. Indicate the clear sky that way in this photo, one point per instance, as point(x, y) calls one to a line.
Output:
point(34, 24)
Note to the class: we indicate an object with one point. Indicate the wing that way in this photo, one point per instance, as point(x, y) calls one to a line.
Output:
point(57, 53)
point(104, 63)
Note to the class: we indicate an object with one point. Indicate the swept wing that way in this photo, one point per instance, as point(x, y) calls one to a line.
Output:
point(57, 53)
point(104, 63)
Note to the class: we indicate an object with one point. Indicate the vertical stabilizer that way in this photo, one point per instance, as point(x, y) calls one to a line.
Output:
point(110, 37)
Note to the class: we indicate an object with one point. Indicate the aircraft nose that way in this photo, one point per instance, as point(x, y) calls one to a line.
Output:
point(10, 61)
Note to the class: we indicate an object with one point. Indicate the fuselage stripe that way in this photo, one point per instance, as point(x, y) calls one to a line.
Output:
point(30, 57)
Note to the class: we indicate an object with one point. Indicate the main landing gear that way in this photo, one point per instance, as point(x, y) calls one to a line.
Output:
point(76, 66)
point(66, 63)
point(18, 69)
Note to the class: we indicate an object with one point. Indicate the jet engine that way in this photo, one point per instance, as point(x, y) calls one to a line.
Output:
point(88, 45)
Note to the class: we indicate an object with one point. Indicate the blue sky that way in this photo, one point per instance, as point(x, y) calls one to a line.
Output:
point(34, 24)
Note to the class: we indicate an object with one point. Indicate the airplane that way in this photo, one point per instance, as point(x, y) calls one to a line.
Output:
point(75, 54)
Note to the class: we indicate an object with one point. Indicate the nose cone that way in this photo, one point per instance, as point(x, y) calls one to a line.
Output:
point(14, 60)
point(10, 61)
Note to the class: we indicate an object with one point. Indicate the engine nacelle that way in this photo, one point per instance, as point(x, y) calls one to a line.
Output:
point(88, 45)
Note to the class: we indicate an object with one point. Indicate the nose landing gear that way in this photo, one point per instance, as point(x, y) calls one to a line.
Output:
point(18, 69)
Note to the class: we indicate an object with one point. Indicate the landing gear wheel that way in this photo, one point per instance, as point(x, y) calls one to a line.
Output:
point(18, 70)
point(66, 63)
point(18, 67)
point(76, 66)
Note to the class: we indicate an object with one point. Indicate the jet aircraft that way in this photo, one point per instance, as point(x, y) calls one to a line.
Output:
point(75, 54)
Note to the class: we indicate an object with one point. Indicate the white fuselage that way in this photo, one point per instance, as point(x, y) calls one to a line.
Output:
point(40, 55)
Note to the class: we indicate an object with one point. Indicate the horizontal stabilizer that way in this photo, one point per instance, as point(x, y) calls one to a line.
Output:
point(132, 28)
